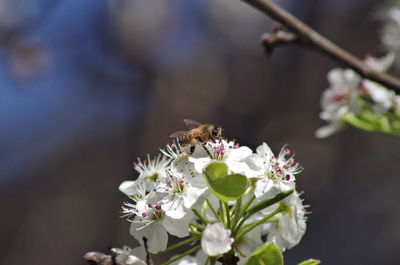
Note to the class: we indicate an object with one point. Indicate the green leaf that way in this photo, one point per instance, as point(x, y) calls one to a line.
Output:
point(267, 254)
point(225, 187)
point(310, 262)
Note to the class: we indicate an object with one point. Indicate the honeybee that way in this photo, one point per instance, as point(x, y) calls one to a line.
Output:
point(198, 133)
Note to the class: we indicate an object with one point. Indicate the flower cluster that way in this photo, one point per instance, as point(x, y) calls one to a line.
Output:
point(226, 196)
point(389, 14)
point(367, 105)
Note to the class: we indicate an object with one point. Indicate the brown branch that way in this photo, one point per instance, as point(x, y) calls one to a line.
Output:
point(310, 38)
point(270, 41)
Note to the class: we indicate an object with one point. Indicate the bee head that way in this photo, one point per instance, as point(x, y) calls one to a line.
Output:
point(217, 131)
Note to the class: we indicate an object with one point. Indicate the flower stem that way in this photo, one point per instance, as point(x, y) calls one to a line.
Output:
point(228, 215)
point(260, 206)
point(222, 213)
point(246, 205)
point(236, 217)
point(213, 210)
point(266, 203)
point(200, 227)
point(202, 219)
point(177, 245)
point(261, 221)
point(190, 251)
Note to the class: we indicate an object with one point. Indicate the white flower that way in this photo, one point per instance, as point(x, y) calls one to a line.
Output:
point(180, 194)
point(338, 99)
point(223, 151)
point(391, 29)
point(150, 221)
point(155, 226)
point(151, 169)
point(275, 174)
point(129, 256)
point(380, 64)
point(216, 240)
point(288, 231)
point(381, 96)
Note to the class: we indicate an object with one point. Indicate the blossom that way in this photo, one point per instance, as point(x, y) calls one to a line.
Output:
point(390, 35)
point(149, 220)
point(224, 151)
point(274, 174)
point(216, 240)
point(155, 226)
point(129, 256)
point(338, 99)
point(151, 169)
point(383, 98)
point(180, 194)
point(288, 231)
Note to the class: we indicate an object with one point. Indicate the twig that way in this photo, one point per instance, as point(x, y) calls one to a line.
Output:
point(279, 38)
point(146, 248)
point(307, 37)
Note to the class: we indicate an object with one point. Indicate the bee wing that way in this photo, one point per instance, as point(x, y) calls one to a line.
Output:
point(191, 124)
point(177, 134)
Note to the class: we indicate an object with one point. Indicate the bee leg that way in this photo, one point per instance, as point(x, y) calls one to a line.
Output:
point(205, 148)
point(192, 149)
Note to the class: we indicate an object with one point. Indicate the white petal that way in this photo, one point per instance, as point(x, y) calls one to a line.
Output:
point(129, 188)
point(264, 150)
point(191, 195)
point(174, 208)
point(157, 236)
point(327, 130)
point(215, 240)
point(240, 153)
point(178, 227)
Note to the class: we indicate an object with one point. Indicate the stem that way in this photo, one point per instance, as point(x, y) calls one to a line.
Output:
point(222, 213)
point(202, 219)
point(195, 234)
point(228, 215)
point(177, 245)
point(266, 203)
point(190, 251)
point(213, 210)
point(308, 37)
point(236, 217)
point(246, 205)
point(200, 227)
point(259, 206)
point(261, 221)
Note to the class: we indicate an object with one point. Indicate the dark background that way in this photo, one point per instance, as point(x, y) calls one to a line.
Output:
point(88, 86)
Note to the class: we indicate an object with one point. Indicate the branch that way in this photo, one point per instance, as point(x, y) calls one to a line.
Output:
point(307, 37)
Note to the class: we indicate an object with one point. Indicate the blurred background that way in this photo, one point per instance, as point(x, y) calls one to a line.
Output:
point(88, 86)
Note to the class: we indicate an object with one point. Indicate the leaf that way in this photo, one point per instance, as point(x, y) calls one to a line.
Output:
point(310, 262)
point(267, 254)
point(225, 187)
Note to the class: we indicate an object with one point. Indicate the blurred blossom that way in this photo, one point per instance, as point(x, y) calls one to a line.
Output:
point(338, 99)
point(390, 36)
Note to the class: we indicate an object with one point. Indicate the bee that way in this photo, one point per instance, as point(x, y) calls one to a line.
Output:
point(199, 133)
